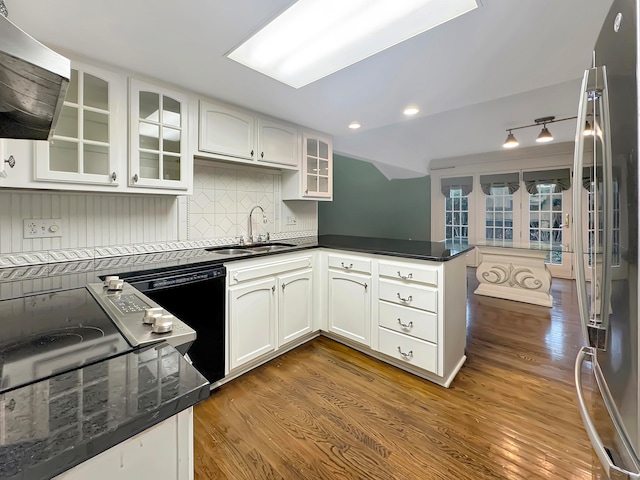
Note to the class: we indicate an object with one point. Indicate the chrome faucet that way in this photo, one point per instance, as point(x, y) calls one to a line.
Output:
point(264, 220)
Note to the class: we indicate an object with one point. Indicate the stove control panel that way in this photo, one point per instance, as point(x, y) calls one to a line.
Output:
point(140, 319)
point(129, 303)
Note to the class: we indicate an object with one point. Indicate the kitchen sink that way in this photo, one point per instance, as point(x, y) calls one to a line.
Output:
point(270, 247)
point(248, 249)
point(230, 250)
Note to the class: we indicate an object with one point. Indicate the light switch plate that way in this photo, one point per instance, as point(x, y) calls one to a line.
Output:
point(42, 228)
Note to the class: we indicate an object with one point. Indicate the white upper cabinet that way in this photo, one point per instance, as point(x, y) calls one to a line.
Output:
point(231, 133)
point(226, 131)
point(89, 140)
point(277, 142)
point(88, 148)
point(314, 181)
point(158, 156)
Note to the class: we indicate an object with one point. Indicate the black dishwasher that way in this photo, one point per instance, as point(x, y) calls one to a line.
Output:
point(195, 295)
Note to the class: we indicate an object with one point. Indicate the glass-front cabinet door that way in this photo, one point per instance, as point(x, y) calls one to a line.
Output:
point(158, 140)
point(88, 139)
point(317, 166)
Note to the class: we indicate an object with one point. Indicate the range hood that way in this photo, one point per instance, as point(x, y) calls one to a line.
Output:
point(33, 84)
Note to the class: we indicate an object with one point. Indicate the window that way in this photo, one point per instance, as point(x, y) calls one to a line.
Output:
point(545, 221)
point(499, 215)
point(456, 208)
point(457, 216)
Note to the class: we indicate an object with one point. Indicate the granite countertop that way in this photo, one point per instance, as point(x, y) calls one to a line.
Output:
point(416, 249)
point(19, 281)
point(52, 425)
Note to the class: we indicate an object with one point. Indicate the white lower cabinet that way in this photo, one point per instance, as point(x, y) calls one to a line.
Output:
point(350, 306)
point(252, 315)
point(295, 312)
point(270, 306)
point(162, 452)
point(406, 312)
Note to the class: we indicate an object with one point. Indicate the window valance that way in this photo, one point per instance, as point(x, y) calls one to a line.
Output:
point(463, 183)
point(561, 178)
point(510, 180)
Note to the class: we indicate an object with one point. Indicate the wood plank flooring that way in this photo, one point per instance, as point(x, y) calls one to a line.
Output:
point(325, 411)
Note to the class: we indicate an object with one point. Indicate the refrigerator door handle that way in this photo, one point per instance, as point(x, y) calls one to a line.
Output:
point(596, 442)
point(607, 207)
point(578, 163)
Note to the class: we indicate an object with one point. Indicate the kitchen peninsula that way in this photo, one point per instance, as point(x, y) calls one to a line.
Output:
point(408, 314)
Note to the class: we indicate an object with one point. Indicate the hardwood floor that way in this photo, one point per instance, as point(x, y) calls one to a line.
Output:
point(325, 411)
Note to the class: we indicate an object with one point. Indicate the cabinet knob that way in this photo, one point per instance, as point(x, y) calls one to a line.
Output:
point(273, 288)
point(283, 285)
point(11, 161)
point(261, 154)
point(252, 153)
point(114, 176)
point(135, 178)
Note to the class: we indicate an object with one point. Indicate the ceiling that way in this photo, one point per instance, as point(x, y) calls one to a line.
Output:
point(499, 66)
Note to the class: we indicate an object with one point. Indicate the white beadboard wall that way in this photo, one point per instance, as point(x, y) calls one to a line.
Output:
point(87, 220)
point(217, 212)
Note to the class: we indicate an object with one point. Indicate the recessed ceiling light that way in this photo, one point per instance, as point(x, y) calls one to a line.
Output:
point(314, 38)
point(411, 110)
point(354, 125)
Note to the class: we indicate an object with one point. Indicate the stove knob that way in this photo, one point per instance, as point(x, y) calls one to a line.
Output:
point(164, 324)
point(115, 285)
point(108, 278)
point(151, 314)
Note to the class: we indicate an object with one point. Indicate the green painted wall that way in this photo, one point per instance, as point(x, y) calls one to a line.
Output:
point(367, 204)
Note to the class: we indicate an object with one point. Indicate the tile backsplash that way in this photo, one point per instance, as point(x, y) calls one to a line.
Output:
point(102, 225)
point(223, 196)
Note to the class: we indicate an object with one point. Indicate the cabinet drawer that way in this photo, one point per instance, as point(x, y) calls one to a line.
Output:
point(267, 269)
point(350, 264)
point(409, 273)
point(417, 323)
point(424, 298)
point(408, 349)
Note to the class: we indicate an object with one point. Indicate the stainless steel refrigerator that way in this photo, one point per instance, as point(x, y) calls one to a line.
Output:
point(606, 244)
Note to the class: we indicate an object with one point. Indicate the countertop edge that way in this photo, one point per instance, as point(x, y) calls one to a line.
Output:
point(76, 456)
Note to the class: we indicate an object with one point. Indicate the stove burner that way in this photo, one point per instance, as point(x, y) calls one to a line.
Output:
point(43, 343)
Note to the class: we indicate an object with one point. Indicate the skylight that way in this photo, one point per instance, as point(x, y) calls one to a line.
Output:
point(314, 38)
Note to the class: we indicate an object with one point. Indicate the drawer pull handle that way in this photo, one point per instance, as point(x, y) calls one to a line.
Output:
point(405, 277)
point(346, 267)
point(406, 355)
point(404, 325)
point(405, 300)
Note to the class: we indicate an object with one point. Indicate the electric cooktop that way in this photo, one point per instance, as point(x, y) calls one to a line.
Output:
point(49, 334)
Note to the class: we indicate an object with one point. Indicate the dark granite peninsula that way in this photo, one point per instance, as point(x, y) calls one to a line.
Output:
point(418, 249)
point(52, 425)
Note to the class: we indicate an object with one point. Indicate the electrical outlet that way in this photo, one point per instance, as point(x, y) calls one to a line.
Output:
point(42, 228)
point(292, 220)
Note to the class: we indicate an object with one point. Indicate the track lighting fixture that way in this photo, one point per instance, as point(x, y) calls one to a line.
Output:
point(511, 141)
point(544, 136)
